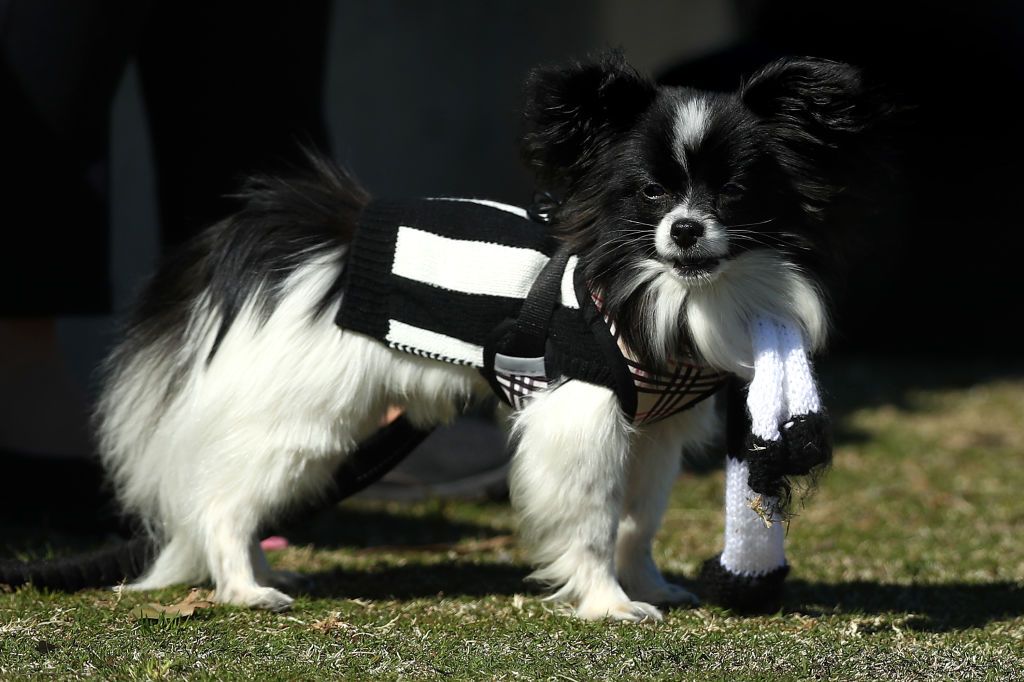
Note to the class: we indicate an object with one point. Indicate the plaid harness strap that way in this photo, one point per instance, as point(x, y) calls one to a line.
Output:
point(659, 394)
point(517, 388)
point(663, 394)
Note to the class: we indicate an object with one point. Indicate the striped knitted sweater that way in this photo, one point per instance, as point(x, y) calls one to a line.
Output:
point(448, 278)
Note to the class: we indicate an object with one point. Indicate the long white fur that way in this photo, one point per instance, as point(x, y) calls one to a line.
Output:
point(754, 284)
point(717, 310)
point(264, 425)
point(653, 468)
point(567, 484)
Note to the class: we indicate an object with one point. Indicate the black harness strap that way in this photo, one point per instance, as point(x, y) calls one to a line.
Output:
point(532, 326)
point(519, 345)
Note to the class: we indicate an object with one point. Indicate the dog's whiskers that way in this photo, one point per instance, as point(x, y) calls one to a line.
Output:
point(772, 240)
point(637, 222)
point(760, 222)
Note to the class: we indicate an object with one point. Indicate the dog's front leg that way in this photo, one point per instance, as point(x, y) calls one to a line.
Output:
point(568, 478)
point(653, 469)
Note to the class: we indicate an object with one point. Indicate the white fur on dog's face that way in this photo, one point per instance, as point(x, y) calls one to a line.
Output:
point(717, 309)
point(713, 245)
point(690, 127)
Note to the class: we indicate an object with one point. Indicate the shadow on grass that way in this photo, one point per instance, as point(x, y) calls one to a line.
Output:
point(429, 573)
point(347, 527)
point(923, 608)
point(423, 539)
point(933, 608)
point(413, 581)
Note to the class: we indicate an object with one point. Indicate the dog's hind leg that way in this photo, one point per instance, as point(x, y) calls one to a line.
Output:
point(653, 469)
point(244, 498)
point(567, 483)
point(178, 562)
point(228, 542)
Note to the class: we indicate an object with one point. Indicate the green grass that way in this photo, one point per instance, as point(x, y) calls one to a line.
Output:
point(907, 564)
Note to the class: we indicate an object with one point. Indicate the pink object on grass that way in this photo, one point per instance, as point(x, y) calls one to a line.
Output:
point(273, 542)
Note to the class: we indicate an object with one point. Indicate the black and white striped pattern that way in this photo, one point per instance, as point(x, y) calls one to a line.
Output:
point(435, 277)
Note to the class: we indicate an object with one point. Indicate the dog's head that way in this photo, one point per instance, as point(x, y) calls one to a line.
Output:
point(674, 187)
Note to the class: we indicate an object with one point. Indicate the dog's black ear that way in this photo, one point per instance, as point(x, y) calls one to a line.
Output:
point(821, 118)
point(820, 95)
point(572, 112)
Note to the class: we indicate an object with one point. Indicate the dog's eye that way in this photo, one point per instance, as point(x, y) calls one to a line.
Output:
point(653, 191)
point(732, 190)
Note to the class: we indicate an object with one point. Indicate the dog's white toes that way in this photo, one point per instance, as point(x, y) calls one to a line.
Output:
point(266, 598)
point(632, 611)
point(272, 600)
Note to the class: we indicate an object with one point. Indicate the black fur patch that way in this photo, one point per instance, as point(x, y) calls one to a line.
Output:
point(573, 112)
point(740, 593)
point(818, 116)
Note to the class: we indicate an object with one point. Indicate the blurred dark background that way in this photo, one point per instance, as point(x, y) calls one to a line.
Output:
point(123, 125)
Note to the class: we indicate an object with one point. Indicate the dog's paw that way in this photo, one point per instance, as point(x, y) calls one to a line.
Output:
point(631, 611)
point(266, 598)
point(643, 582)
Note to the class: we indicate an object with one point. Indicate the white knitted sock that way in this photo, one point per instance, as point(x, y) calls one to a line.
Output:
point(801, 389)
point(751, 548)
point(754, 545)
point(766, 395)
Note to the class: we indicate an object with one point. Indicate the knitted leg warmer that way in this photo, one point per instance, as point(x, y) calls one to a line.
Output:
point(788, 436)
point(748, 575)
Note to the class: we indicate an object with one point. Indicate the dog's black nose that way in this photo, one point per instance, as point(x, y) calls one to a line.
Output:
point(686, 232)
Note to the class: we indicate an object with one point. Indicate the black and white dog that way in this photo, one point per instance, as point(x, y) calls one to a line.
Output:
point(235, 393)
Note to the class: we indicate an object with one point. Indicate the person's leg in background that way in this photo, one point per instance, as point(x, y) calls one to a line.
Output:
point(60, 62)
